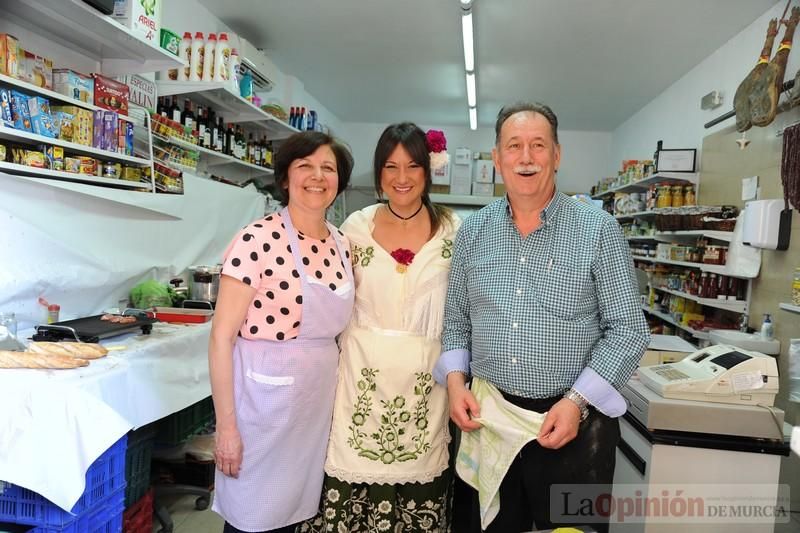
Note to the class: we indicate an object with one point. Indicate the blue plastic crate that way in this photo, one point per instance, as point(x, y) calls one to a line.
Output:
point(105, 477)
point(106, 518)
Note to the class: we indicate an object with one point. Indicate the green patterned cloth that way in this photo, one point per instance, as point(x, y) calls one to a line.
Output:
point(362, 507)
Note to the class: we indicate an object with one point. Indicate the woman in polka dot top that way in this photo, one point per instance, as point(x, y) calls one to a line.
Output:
point(387, 464)
point(286, 292)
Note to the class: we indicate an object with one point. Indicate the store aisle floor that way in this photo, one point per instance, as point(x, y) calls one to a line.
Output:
point(187, 519)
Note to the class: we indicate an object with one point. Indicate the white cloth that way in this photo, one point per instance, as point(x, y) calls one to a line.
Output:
point(390, 417)
point(485, 454)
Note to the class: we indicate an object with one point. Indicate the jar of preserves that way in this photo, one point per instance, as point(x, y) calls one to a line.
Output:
point(664, 198)
point(689, 197)
point(796, 287)
point(711, 256)
point(677, 196)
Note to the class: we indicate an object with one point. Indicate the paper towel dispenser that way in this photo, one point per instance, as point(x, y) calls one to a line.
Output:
point(766, 224)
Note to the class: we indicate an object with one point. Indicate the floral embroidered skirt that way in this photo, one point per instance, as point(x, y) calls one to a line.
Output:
point(363, 507)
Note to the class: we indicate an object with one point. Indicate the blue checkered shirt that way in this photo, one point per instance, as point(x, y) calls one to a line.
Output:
point(538, 315)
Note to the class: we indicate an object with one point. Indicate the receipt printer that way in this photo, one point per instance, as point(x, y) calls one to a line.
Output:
point(719, 373)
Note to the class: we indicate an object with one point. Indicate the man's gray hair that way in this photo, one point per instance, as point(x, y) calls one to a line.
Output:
point(520, 107)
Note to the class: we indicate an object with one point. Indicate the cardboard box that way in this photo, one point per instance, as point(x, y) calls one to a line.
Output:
point(482, 189)
point(483, 171)
point(36, 70)
point(463, 156)
point(6, 119)
point(111, 94)
point(660, 357)
point(74, 84)
point(143, 17)
point(82, 123)
point(41, 119)
point(9, 55)
point(441, 176)
point(20, 113)
point(440, 189)
point(142, 91)
point(461, 180)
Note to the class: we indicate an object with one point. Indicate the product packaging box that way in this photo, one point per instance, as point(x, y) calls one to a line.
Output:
point(36, 70)
point(19, 111)
point(128, 138)
point(63, 123)
point(97, 129)
point(142, 91)
point(463, 156)
point(143, 17)
point(55, 157)
point(9, 55)
point(110, 139)
point(111, 94)
point(170, 41)
point(482, 189)
point(483, 171)
point(441, 176)
point(461, 179)
point(41, 118)
point(72, 165)
point(74, 84)
point(6, 119)
point(82, 129)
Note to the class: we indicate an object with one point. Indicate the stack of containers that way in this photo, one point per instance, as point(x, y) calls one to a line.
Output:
point(100, 506)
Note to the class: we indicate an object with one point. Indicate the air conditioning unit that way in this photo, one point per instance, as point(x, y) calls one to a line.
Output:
point(256, 61)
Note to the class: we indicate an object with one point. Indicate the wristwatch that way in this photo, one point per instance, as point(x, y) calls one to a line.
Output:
point(576, 398)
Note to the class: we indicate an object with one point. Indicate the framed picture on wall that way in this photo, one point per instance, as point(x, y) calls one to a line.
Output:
point(677, 160)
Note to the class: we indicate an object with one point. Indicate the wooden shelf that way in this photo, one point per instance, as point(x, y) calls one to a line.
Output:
point(225, 102)
point(667, 318)
point(78, 26)
point(644, 184)
point(790, 307)
point(58, 98)
point(13, 168)
point(32, 138)
point(735, 306)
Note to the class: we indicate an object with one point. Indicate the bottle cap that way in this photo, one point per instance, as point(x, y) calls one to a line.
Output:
point(212, 37)
point(54, 307)
point(198, 35)
point(223, 36)
point(187, 35)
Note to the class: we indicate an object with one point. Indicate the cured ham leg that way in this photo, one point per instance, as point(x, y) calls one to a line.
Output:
point(741, 100)
point(767, 89)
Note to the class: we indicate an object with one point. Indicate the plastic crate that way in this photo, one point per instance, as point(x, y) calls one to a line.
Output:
point(137, 462)
point(181, 425)
point(104, 479)
point(106, 518)
point(139, 517)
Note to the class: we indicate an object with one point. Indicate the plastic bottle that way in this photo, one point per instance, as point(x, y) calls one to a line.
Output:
point(208, 57)
point(233, 71)
point(767, 329)
point(794, 370)
point(246, 86)
point(222, 58)
point(196, 73)
point(185, 53)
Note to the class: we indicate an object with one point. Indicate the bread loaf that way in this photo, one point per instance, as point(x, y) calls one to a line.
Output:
point(10, 359)
point(80, 350)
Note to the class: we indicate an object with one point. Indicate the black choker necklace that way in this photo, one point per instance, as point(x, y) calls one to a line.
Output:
point(405, 218)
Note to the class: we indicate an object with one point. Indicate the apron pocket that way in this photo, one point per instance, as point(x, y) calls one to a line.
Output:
point(267, 401)
point(270, 380)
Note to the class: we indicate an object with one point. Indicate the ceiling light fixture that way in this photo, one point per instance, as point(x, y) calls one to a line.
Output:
point(467, 36)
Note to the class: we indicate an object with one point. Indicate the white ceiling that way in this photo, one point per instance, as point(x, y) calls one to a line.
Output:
point(594, 62)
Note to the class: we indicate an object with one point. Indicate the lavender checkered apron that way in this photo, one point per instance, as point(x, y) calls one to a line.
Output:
point(283, 393)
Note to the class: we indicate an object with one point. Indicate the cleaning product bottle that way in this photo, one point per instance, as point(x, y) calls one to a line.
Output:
point(222, 58)
point(767, 329)
point(208, 57)
point(233, 71)
point(185, 53)
point(246, 86)
point(196, 74)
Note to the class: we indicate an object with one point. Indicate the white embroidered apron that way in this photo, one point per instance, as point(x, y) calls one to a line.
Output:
point(283, 395)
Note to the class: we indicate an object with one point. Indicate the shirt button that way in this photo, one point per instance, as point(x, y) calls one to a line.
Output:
point(521, 259)
point(519, 291)
point(514, 360)
point(515, 325)
point(516, 393)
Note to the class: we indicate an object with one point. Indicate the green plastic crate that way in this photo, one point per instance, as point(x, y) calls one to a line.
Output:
point(178, 427)
point(138, 457)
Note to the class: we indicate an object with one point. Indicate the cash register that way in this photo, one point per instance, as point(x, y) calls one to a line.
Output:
point(719, 374)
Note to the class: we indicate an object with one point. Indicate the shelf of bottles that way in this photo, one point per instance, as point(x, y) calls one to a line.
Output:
point(205, 141)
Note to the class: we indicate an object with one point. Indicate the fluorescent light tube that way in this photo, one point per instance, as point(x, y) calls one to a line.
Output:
point(466, 33)
point(471, 89)
point(473, 118)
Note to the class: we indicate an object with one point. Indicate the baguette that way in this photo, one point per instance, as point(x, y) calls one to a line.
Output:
point(10, 359)
point(80, 350)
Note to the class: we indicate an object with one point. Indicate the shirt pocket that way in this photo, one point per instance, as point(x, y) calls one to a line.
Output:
point(562, 289)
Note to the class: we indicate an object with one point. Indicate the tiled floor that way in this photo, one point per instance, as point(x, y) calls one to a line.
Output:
point(186, 519)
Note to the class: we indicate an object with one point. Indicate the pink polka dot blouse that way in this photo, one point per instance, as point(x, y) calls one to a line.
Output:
point(260, 256)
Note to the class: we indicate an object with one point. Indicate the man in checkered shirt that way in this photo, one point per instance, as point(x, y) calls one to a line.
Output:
point(543, 304)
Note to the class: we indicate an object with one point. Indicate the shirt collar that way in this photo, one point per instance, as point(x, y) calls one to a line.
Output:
point(548, 213)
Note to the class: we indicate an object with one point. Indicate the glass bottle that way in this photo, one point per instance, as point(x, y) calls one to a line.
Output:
point(712, 286)
point(664, 198)
point(796, 287)
point(689, 197)
point(677, 196)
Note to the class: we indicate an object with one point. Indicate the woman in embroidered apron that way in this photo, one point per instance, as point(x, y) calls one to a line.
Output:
point(285, 293)
point(387, 465)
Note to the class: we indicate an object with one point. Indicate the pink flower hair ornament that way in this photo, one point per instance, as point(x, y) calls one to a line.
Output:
point(437, 149)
